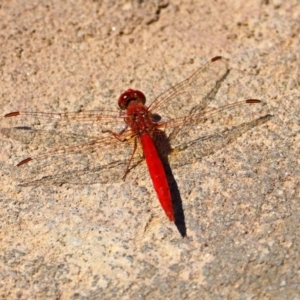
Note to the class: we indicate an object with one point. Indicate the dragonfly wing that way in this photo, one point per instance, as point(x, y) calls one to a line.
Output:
point(193, 110)
point(94, 124)
point(85, 157)
point(50, 138)
point(212, 121)
point(193, 150)
point(95, 161)
point(196, 91)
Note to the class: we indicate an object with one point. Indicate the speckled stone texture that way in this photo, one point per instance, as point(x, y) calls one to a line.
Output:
point(240, 200)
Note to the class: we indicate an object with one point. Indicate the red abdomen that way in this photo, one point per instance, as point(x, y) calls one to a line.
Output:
point(157, 174)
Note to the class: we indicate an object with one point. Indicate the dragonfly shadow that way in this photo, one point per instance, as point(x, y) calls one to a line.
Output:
point(164, 149)
point(176, 201)
point(211, 95)
point(204, 146)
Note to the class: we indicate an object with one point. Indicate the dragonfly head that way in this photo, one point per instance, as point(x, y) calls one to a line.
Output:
point(131, 95)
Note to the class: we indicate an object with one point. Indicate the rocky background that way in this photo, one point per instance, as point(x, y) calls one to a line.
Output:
point(240, 201)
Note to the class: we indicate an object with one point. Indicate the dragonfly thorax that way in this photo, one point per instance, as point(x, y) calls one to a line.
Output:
point(139, 119)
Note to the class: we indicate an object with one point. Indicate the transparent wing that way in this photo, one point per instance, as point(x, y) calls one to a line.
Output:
point(76, 147)
point(190, 109)
point(83, 149)
point(196, 91)
point(96, 161)
point(190, 150)
point(212, 120)
point(95, 124)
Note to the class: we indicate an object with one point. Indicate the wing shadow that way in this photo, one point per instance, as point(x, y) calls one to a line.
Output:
point(206, 146)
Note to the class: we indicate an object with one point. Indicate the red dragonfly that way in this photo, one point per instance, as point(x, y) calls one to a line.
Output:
point(108, 144)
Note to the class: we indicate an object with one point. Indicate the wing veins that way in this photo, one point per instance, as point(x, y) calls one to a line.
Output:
point(180, 87)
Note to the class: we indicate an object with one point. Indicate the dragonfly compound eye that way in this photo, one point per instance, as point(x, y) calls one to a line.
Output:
point(131, 95)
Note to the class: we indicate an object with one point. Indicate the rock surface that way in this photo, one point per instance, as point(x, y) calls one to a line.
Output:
point(241, 203)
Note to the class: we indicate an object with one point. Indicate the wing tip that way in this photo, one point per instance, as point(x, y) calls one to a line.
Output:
point(253, 101)
point(12, 114)
point(216, 58)
point(25, 161)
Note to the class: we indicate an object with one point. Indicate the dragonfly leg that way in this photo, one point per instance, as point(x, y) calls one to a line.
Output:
point(117, 135)
point(129, 162)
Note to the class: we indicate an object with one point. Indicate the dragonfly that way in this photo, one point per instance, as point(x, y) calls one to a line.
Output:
point(104, 146)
